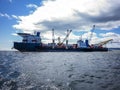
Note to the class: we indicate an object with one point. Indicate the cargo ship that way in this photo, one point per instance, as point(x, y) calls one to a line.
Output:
point(33, 43)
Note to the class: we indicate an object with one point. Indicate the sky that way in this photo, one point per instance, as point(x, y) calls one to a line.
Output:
point(43, 15)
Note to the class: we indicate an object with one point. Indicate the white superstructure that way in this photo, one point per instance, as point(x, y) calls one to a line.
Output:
point(28, 38)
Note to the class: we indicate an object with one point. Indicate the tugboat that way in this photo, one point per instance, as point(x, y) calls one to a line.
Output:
point(32, 43)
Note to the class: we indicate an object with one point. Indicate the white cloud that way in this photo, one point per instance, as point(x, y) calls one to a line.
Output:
point(52, 11)
point(14, 16)
point(10, 1)
point(62, 14)
point(109, 34)
point(31, 6)
point(5, 15)
point(14, 34)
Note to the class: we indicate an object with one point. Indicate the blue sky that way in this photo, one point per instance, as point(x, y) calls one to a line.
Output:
point(43, 15)
point(7, 9)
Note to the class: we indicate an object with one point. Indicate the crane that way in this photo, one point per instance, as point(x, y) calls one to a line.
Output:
point(61, 43)
point(92, 33)
point(104, 42)
point(53, 39)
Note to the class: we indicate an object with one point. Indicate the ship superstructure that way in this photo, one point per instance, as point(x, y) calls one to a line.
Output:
point(29, 38)
point(29, 42)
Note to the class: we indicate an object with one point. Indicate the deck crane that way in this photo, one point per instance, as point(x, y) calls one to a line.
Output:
point(103, 43)
point(53, 39)
point(92, 33)
point(61, 43)
point(67, 40)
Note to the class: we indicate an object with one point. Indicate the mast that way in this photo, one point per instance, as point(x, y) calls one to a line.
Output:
point(92, 33)
point(67, 40)
point(53, 39)
point(69, 31)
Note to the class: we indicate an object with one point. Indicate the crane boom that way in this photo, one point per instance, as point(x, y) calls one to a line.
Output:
point(66, 36)
point(68, 33)
point(104, 42)
point(53, 39)
point(92, 33)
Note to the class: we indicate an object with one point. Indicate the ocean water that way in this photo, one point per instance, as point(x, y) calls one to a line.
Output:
point(60, 70)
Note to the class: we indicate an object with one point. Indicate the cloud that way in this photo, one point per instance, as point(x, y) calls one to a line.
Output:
point(109, 34)
point(77, 15)
point(14, 34)
point(31, 6)
point(5, 15)
point(10, 1)
point(15, 17)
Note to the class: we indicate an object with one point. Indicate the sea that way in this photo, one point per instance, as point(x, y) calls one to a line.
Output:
point(60, 70)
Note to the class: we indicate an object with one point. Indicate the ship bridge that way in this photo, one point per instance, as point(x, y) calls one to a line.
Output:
point(28, 38)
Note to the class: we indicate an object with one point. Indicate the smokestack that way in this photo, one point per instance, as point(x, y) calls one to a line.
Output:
point(38, 34)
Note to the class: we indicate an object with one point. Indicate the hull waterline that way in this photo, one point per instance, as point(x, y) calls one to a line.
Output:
point(33, 47)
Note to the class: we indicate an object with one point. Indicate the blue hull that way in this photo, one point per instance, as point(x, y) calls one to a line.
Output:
point(37, 47)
